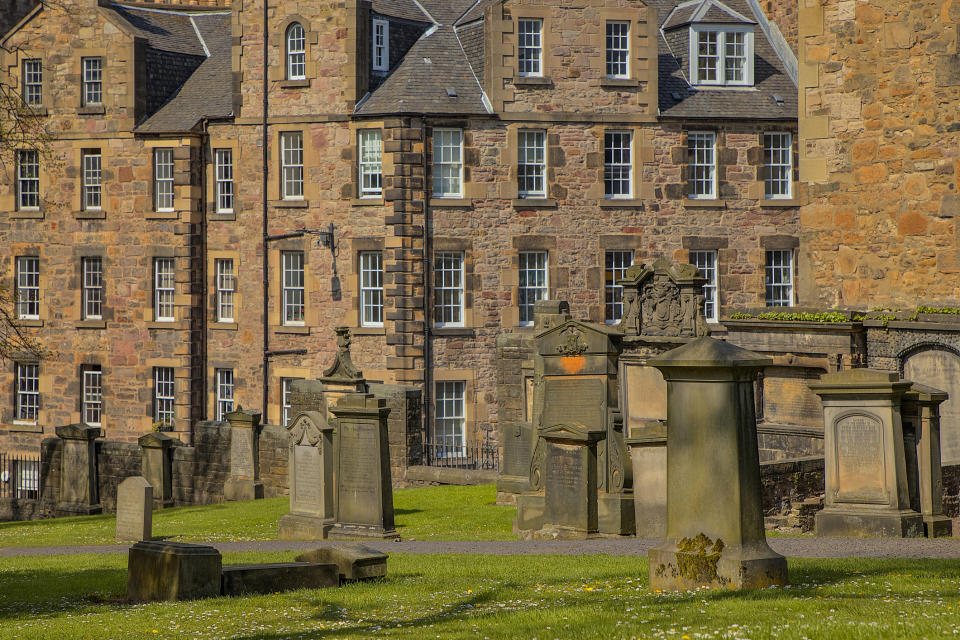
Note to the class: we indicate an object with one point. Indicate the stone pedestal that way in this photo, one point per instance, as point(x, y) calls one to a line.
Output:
point(134, 510)
point(172, 571)
point(311, 478)
point(867, 488)
point(244, 481)
point(79, 495)
point(715, 535)
point(157, 466)
point(921, 407)
point(648, 454)
point(363, 485)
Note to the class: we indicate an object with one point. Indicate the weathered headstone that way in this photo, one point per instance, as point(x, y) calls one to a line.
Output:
point(663, 299)
point(867, 488)
point(715, 535)
point(354, 561)
point(278, 576)
point(244, 481)
point(311, 478)
point(78, 470)
point(157, 466)
point(363, 486)
point(172, 571)
point(648, 453)
point(921, 410)
point(342, 377)
point(134, 510)
point(570, 485)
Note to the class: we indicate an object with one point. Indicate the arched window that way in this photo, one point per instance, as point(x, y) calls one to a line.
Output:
point(296, 52)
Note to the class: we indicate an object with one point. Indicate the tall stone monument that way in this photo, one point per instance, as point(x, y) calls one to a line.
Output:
point(867, 487)
point(134, 510)
point(79, 494)
point(362, 478)
point(921, 411)
point(157, 465)
point(648, 454)
point(715, 535)
point(244, 481)
point(342, 377)
point(311, 478)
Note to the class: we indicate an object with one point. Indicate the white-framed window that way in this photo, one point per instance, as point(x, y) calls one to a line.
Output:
point(28, 392)
point(92, 394)
point(92, 81)
point(706, 263)
point(291, 165)
point(532, 283)
point(33, 82)
point(28, 287)
point(371, 288)
point(702, 165)
point(370, 142)
point(92, 275)
point(778, 165)
point(164, 289)
point(450, 419)
point(294, 291)
point(448, 295)
point(224, 393)
point(163, 179)
point(286, 407)
point(381, 45)
point(164, 397)
point(618, 49)
point(27, 479)
point(92, 179)
point(296, 52)
point(721, 55)
point(223, 162)
point(530, 47)
point(226, 288)
point(447, 163)
point(618, 164)
point(532, 164)
point(615, 270)
point(28, 179)
point(779, 272)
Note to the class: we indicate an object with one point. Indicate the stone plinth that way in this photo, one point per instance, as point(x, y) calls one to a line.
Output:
point(134, 510)
point(648, 454)
point(244, 481)
point(921, 407)
point(172, 571)
point(364, 490)
point(311, 478)
point(866, 483)
point(353, 561)
point(280, 576)
point(715, 535)
point(78, 471)
point(157, 466)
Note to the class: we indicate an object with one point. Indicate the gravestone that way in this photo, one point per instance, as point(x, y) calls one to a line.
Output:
point(866, 482)
point(648, 453)
point(311, 478)
point(274, 577)
point(172, 571)
point(363, 487)
point(244, 481)
point(715, 535)
point(79, 495)
point(940, 368)
point(353, 561)
point(663, 299)
point(570, 485)
point(134, 510)
point(342, 377)
point(157, 466)
point(921, 406)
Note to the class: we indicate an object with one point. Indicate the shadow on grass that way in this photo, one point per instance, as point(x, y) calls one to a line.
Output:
point(406, 512)
point(54, 592)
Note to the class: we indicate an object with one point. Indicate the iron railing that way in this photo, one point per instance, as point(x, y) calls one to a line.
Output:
point(19, 476)
point(454, 454)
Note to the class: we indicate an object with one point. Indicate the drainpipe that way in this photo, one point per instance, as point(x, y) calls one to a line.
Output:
point(204, 285)
point(427, 281)
point(265, 230)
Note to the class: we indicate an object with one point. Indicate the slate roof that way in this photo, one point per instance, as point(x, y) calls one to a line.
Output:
point(702, 11)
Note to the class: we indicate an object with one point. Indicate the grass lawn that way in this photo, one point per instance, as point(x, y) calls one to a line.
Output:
point(435, 513)
point(522, 597)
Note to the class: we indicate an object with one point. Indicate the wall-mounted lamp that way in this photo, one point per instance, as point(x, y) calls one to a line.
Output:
point(326, 238)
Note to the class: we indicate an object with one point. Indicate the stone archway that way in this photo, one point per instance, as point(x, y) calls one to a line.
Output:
point(940, 368)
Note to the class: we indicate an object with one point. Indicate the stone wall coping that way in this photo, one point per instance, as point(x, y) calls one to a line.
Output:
point(79, 432)
point(920, 324)
point(794, 325)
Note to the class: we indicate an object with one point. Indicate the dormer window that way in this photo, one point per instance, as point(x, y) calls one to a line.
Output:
point(721, 55)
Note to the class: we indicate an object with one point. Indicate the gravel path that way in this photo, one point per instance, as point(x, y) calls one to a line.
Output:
point(806, 547)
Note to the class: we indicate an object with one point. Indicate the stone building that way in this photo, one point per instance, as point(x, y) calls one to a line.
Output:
point(227, 184)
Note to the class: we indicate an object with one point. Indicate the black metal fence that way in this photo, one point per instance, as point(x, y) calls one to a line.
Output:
point(483, 456)
point(19, 476)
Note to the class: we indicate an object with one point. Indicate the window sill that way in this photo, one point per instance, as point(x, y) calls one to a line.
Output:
point(617, 203)
point(534, 203)
point(92, 110)
point(292, 329)
point(295, 84)
point(450, 202)
point(91, 324)
point(163, 325)
point(27, 214)
point(369, 331)
point(29, 322)
point(453, 332)
point(368, 202)
point(224, 326)
point(92, 214)
point(532, 81)
point(774, 203)
point(706, 204)
point(619, 83)
point(162, 215)
point(26, 428)
point(223, 217)
point(290, 204)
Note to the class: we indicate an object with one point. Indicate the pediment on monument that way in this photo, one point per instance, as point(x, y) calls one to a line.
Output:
point(576, 338)
point(307, 428)
point(574, 432)
point(677, 272)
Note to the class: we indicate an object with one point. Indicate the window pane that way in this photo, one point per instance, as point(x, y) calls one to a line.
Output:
point(447, 163)
point(371, 289)
point(701, 164)
point(163, 179)
point(28, 392)
point(224, 169)
point(33, 82)
point(92, 81)
point(226, 286)
point(778, 164)
point(28, 287)
point(92, 288)
point(735, 56)
point(291, 151)
point(448, 289)
point(532, 283)
point(531, 164)
point(617, 263)
point(294, 294)
point(618, 164)
point(224, 393)
point(706, 262)
point(618, 49)
point(92, 394)
point(163, 396)
point(779, 276)
point(164, 289)
point(285, 391)
point(381, 45)
point(28, 179)
point(371, 170)
point(296, 52)
point(529, 47)
point(450, 419)
point(92, 177)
